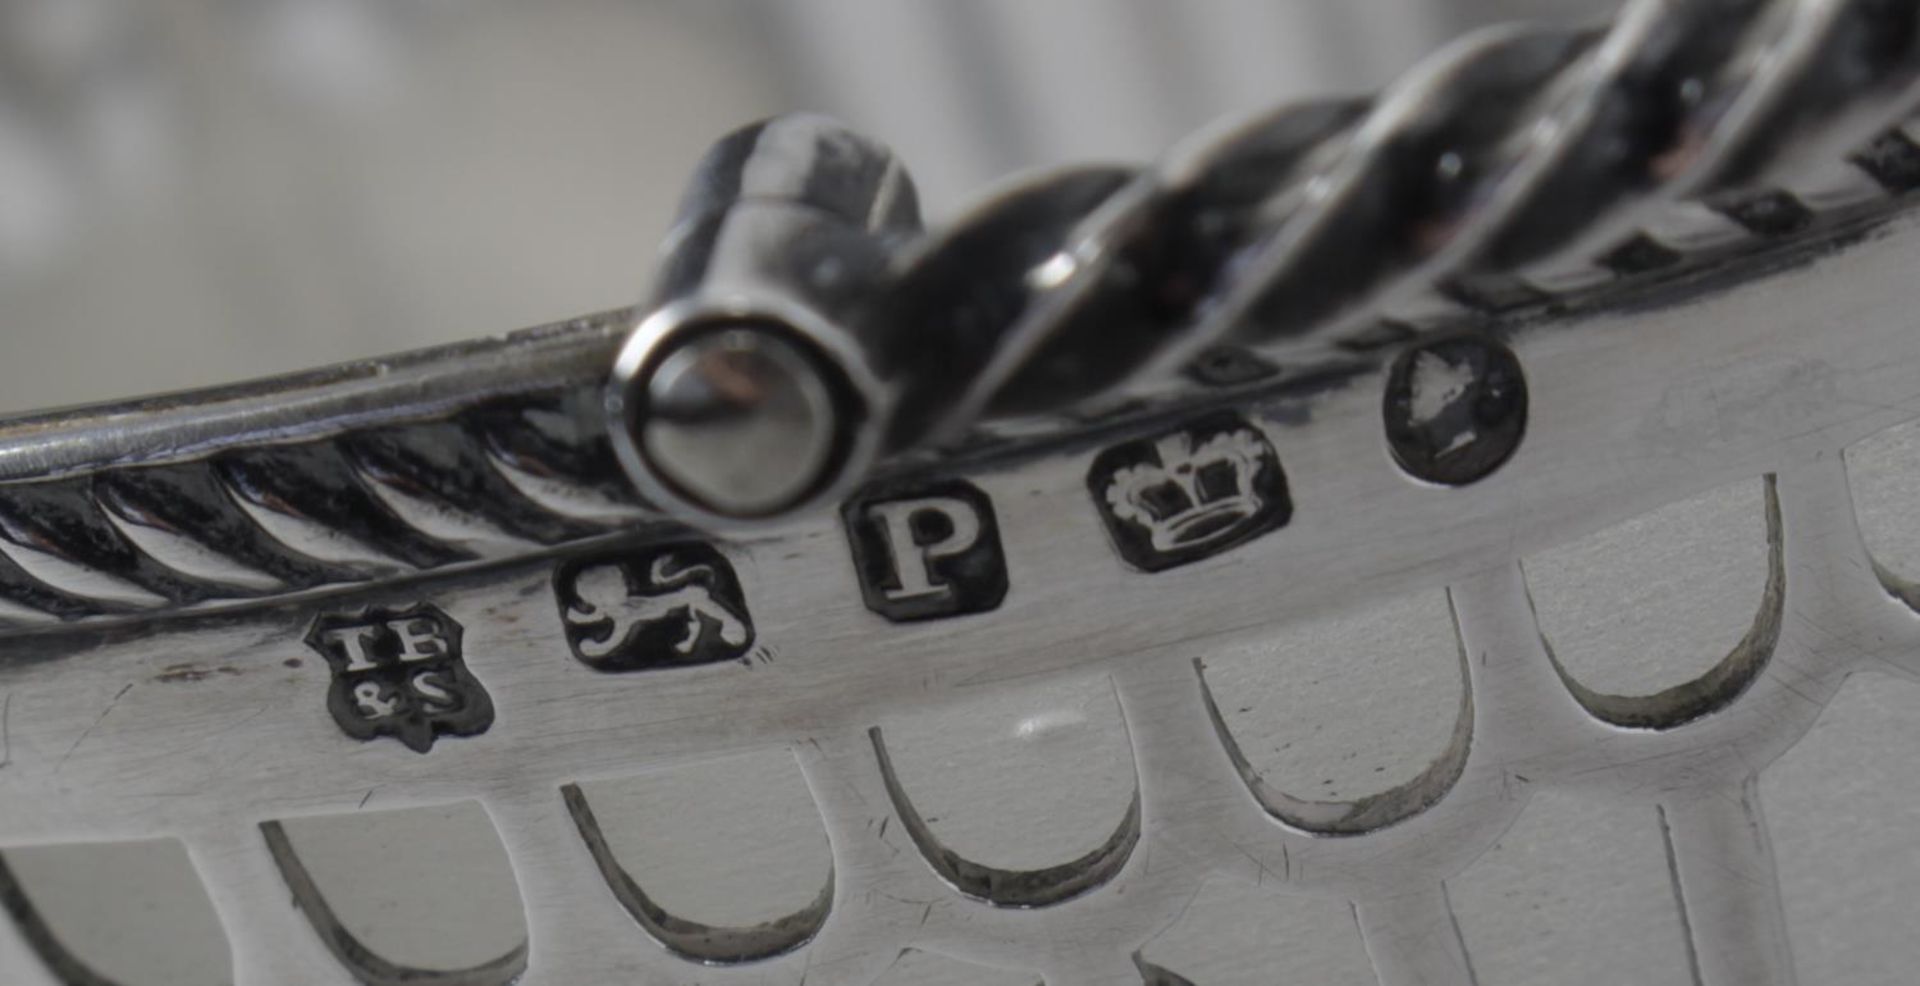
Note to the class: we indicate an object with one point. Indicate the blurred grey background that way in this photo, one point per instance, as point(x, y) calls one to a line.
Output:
point(196, 191)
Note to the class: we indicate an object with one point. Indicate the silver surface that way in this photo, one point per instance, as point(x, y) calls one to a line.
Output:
point(96, 742)
point(1642, 480)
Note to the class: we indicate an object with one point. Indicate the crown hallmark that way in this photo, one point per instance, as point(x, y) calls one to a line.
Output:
point(1187, 494)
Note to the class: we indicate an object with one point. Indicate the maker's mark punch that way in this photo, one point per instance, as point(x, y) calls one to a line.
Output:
point(400, 673)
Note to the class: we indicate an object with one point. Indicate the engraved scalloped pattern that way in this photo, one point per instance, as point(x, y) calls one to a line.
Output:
point(433, 495)
point(1194, 817)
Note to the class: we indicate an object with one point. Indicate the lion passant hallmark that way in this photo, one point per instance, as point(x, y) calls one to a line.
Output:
point(662, 606)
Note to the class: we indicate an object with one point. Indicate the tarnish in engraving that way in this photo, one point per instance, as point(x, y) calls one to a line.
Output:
point(1189, 493)
point(400, 673)
point(657, 607)
point(926, 551)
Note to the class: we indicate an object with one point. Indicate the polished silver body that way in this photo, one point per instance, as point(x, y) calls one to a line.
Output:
point(174, 565)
